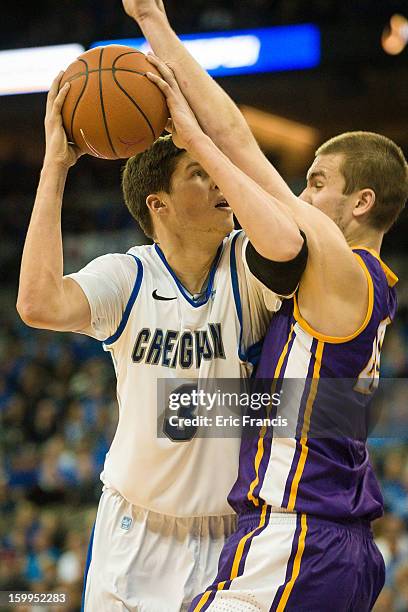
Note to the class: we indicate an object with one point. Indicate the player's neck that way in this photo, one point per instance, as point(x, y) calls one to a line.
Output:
point(369, 238)
point(191, 262)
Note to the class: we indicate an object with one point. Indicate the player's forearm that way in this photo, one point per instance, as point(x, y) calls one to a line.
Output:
point(267, 222)
point(40, 288)
point(217, 114)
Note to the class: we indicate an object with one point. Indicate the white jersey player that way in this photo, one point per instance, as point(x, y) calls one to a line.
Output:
point(154, 329)
point(184, 308)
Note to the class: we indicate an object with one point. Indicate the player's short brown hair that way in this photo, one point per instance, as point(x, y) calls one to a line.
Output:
point(146, 173)
point(376, 162)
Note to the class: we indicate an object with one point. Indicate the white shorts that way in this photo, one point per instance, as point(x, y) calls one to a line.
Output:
point(142, 561)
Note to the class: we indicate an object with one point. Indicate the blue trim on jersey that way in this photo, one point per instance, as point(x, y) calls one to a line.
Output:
point(235, 291)
point(87, 564)
point(253, 352)
point(234, 279)
point(209, 290)
point(129, 305)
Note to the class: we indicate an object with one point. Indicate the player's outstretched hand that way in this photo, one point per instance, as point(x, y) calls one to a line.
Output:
point(184, 125)
point(139, 9)
point(57, 148)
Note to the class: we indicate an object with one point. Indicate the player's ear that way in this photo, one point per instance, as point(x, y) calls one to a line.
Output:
point(364, 203)
point(155, 204)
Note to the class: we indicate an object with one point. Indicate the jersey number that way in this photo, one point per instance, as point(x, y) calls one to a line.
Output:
point(174, 426)
point(369, 377)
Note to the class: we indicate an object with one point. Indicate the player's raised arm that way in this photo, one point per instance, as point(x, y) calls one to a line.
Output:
point(268, 224)
point(45, 299)
point(221, 120)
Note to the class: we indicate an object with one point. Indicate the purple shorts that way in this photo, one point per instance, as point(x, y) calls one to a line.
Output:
point(281, 561)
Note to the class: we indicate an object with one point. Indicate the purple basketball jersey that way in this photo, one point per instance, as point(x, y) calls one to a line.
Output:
point(328, 476)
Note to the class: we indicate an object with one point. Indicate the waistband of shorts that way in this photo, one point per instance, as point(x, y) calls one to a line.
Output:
point(136, 509)
point(281, 516)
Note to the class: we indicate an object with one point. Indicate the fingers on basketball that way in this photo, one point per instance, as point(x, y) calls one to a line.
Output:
point(113, 110)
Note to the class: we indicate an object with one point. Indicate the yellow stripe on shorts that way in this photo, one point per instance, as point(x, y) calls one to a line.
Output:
point(296, 566)
point(240, 548)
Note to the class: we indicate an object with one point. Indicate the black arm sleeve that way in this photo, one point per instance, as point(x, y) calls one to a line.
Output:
point(282, 277)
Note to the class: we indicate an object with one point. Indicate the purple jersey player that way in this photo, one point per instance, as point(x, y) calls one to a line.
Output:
point(305, 502)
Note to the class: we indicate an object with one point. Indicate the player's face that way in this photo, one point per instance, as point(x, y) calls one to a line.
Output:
point(195, 202)
point(325, 190)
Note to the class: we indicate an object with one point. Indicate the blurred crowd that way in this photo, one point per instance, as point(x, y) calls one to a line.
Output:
point(58, 414)
point(101, 19)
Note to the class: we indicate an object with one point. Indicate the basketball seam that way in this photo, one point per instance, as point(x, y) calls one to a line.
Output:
point(102, 105)
point(79, 98)
point(79, 74)
point(123, 55)
point(136, 104)
point(125, 92)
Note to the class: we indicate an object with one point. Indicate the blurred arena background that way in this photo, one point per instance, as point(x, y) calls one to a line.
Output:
point(57, 391)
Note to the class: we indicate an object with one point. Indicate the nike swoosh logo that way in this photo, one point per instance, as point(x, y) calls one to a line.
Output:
point(160, 297)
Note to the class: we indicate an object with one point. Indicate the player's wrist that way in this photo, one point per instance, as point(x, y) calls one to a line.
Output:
point(151, 14)
point(54, 166)
point(199, 144)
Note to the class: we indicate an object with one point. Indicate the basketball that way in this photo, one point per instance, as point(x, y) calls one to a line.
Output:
point(112, 110)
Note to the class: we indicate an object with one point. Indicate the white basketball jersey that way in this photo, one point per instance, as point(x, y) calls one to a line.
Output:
point(154, 329)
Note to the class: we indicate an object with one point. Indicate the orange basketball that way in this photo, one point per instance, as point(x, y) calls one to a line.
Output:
point(112, 110)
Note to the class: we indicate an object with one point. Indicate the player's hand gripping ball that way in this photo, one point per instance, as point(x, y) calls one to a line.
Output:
point(112, 109)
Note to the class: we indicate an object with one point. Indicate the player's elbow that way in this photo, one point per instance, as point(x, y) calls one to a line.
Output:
point(31, 314)
point(26, 313)
point(285, 247)
point(294, 245)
